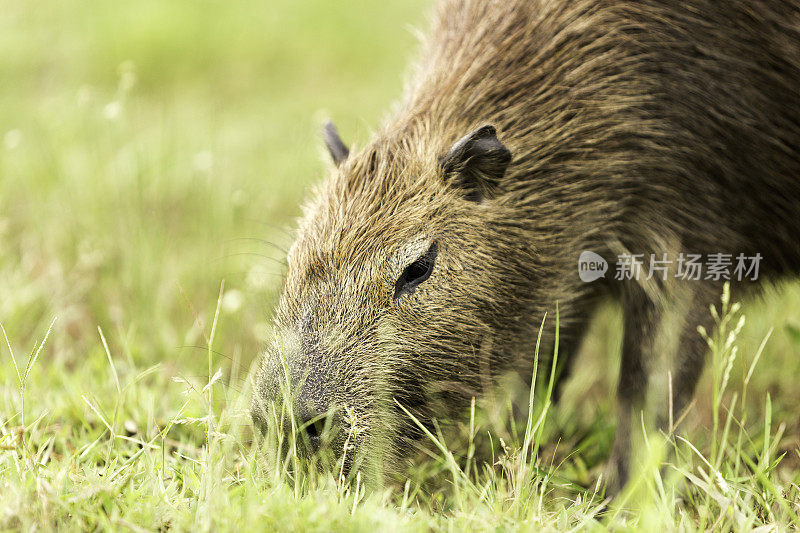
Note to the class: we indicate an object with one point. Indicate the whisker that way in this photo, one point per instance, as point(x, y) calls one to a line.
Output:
point(278, 227)
point(262, 241)
point(228, 256)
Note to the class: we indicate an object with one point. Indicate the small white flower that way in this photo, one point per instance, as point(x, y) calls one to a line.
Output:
point(12, 139)
point(232, 301)
point(203, 161)
point(112, 110)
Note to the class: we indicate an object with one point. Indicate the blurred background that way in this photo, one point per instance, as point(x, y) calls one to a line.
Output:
point(151, 149)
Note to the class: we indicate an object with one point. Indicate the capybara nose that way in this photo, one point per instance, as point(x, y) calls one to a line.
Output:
point(311, 421)
point(294, 392)
point(311, 405)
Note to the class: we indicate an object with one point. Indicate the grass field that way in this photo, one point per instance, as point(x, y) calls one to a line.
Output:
point(153, 155)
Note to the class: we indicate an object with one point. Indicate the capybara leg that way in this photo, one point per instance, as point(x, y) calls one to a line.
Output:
point(687, 365)
point(641, 317)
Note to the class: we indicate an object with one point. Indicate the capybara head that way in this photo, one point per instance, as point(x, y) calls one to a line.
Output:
point(402, 289)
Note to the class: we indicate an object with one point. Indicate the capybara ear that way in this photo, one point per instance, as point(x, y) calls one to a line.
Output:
point(476, 163)
point(333, 142)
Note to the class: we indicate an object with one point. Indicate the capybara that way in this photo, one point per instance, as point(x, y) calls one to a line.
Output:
point(652, 135)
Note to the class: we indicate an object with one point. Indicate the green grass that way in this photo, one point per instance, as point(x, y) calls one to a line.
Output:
point(150, 150)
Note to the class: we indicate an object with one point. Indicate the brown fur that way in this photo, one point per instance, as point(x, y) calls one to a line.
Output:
point(648, 127)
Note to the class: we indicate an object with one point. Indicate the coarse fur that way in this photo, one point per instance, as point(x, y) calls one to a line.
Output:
point(635, 127)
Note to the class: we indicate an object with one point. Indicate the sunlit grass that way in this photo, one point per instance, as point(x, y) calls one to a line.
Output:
point(121, 461)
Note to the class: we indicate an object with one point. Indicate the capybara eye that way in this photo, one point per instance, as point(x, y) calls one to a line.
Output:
point(416, 273)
